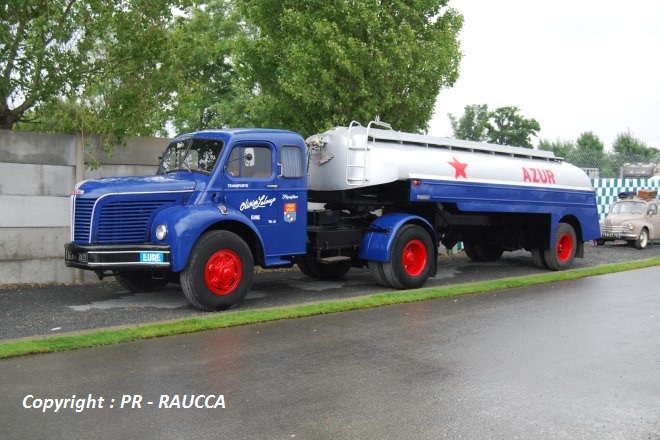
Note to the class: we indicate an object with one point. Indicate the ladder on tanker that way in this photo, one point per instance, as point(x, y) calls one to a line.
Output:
point(356, 156)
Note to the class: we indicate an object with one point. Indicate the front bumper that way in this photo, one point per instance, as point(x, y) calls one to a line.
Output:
point(618, 235)
point(117, 257)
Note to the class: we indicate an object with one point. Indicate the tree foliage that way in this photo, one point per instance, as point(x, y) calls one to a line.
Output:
point(504, 126)
point(589, 152)
point(473, 125)
point(589, 142)
point(95, 66)
point(627, 144)
point(315, 64)
point(561, 148)
point(206, 93)
point(38, 52)
point(507, 127)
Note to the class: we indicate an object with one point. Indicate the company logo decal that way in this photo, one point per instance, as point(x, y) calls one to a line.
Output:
point(289, 212)
point(459, 167)
point(538, 175)
point(262, 202)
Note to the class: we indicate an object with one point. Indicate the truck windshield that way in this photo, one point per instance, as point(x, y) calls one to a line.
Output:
point(195, 155)
point(628, 208)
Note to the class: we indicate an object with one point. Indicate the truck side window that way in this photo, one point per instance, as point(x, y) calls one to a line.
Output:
point(250, 162)
point(292, 161)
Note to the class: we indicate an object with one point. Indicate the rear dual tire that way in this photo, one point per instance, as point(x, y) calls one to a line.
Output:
point(411, 259)
point(561, 254)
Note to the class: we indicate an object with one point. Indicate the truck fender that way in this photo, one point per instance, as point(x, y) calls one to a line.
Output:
point(185, 224)
point(377, 241)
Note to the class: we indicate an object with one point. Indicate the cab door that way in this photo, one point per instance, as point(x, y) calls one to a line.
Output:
point(275, 204)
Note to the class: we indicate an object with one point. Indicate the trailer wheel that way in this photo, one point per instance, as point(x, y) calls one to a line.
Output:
point(643, 239)
point(410, 259)
point(140, 281)
point(564, 244)
point(219, 272)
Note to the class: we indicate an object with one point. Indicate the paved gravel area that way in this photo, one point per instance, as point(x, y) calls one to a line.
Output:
point(55, 309)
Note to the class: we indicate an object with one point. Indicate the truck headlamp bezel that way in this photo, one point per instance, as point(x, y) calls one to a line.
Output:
point(161, 232)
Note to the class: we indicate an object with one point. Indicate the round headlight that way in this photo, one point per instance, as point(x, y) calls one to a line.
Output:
point(631, 226)
point(161, 232)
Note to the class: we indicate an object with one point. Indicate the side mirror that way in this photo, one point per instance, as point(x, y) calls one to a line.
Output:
point(249, 157)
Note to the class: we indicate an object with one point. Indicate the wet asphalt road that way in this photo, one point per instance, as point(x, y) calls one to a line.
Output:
point(569, 360)
point(49, 310)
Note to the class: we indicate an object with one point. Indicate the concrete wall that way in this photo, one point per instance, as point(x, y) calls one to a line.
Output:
point(37, 173)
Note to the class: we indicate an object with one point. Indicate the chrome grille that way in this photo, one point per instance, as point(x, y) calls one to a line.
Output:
point(82, 221)
point(116, 221)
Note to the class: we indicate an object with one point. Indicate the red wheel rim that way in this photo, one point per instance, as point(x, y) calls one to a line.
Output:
point(414, 258)
point(223, 272)
point(564, 247)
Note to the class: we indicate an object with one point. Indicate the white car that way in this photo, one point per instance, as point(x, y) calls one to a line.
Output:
point(636, 220)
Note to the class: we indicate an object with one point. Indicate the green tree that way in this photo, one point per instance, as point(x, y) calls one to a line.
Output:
point(203, 76)
point(561, 148)
point(99, 63)
point(473, 125)
point(38, 56)
point(589, 142)
point(589, 153)
point(628, 145)
point(502, 126)
point(315, 64)
point(507, 127)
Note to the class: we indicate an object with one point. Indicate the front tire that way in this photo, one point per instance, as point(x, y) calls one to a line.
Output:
point(562, 252)
point(411, 258)
point(219, 272)
point(643, 239)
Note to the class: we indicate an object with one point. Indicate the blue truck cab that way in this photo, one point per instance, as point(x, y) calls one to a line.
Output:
point(221, 202)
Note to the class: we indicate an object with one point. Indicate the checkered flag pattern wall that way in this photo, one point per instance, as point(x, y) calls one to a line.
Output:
point(608, 190)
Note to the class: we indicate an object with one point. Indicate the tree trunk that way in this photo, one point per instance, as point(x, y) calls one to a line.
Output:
point(7, 120)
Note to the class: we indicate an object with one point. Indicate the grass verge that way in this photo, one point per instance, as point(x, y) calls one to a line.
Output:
point(96, 338)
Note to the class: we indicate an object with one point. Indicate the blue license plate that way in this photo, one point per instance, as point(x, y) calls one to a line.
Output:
point(152, 257)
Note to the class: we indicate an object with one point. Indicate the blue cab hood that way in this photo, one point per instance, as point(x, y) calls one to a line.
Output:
point(173, 182)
